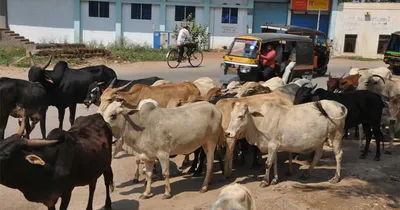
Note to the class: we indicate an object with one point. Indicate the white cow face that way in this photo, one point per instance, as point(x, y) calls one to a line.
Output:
point(394, 106)
point(240, 117)
point(115, 114)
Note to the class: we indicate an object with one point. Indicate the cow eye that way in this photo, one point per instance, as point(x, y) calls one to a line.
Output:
point(113, 116)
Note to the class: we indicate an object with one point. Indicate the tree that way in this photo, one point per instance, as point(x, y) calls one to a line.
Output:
point(199, 32)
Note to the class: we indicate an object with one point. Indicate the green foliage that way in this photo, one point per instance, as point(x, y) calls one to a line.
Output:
point(198, 32)
point(10, 54)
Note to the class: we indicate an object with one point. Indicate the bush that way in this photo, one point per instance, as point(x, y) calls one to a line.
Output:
point(10, 54)
point(198, 32)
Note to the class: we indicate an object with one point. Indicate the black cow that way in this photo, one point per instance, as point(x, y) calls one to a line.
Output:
point(22, 99)
point(97, 88)
point(67, 87)
point(45, 170)
point(364, 107)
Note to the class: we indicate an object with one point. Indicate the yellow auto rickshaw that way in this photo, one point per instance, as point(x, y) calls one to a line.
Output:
point(242, 61)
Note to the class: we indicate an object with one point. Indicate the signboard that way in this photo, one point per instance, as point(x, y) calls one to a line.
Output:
point(311, 5)
point(229, 29)
point(322, 5)
point(299, 5)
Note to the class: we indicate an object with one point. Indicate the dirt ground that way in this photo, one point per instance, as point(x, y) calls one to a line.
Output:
point(365, 184)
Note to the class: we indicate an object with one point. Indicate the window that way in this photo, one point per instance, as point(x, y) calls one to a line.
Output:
point(141, 11)
point(350, 41)
point(394, 43)
point(182, 12)
point(99, 9)
point(244, 48)
point(229, 15)
point(382, 43)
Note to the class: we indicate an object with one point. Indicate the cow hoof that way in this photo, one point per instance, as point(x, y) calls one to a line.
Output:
point(135, 181)
point(144, 197)
point(203, 190)
point(388, 152)
point(191, 171)
point(377, 158)
point(108, 208)
point(264, 184)
point(334, 180)
point(166, 197)
point(274, 182)
point(112, 187)
point(363, 156)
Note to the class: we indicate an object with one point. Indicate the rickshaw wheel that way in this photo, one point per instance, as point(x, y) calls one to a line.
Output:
point(323, 71)
point(196, 58)
point(172, 58)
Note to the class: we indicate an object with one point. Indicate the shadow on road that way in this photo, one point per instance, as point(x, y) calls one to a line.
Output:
point(124, 205)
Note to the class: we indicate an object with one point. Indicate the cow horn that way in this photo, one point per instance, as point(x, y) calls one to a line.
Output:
point(123, 87)
point(112, 83)
point(31, 59)
point(39, 143)
point(100, 83)
point(48, 62)
point(315, 86)
point(342, 76)
point(375, 75)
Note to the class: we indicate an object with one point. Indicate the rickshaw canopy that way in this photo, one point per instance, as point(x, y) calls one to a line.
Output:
point(290, 29)
point(272, 37)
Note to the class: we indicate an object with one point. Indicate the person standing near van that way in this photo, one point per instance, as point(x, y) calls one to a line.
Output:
point(268, 61)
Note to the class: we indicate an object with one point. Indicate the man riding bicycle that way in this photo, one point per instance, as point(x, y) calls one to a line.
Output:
point(183, 40)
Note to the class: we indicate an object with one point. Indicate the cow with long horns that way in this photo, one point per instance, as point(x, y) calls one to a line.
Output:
point(67, 87)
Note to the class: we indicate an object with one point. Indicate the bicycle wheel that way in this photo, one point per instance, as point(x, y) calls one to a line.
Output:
point(196, 58)
point(172, 58)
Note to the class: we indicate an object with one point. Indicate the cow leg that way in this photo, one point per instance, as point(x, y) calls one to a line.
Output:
point(378, 139)
point(136, 175)
point(195, 160)
point(149, 173)
point(61, 113)
point(72, 112)
point(92, 188)
point(361, 138)
point(28, 128)
point(3, 121)
point(22, 126)
point(270, 160)
point(256, 156)
point(164, 162)
point(42, 114)
point(228, 157)
point(65, 199)
point(109, 183)
point(392, 131)
point(201, 164)
point(317, 156)
point(368, 137)
point(186, 161)
point(209, 149)
point(337, 149)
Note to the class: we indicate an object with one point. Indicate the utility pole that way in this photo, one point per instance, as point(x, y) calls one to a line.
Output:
point(319, 15)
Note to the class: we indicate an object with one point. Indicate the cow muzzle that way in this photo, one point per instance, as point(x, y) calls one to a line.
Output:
point(87, 103)
point(229, 134)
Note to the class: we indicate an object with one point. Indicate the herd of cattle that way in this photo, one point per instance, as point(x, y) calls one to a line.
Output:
point(150, 119)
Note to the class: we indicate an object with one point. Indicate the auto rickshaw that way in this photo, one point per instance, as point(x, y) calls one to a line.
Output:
point(392, 52)
point(320, 40)
point(242, 61)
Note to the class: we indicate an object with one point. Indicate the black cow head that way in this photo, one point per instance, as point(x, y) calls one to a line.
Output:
point(304, 95)
point(14, 146)
point(94, 92)
point(38, 73)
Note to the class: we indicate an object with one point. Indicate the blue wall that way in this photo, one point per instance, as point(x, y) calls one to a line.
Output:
point(275, 13)
point(311, 21)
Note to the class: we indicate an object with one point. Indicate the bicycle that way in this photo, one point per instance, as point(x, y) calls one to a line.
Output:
point(192, 54)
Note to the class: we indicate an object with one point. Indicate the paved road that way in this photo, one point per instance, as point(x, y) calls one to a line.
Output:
point(12, 199)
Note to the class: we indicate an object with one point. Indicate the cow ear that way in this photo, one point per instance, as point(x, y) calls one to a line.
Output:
point(35, 160)
point(256, 114)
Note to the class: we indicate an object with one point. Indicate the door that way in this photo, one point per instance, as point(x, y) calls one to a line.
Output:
point(310, 21)
point(3, 14)
point(269, 12)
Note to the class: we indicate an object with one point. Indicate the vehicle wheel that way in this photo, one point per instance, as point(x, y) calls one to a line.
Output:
point(396, 70)
point(172, 58)
point(196, 58)
point(323, 71)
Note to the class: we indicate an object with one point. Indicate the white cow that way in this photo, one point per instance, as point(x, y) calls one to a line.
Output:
point(161, 82)
point(381, 71)
point(156, 133)
point(234, 197)
point(300, 129)
point(204, 84)
point(273, 83)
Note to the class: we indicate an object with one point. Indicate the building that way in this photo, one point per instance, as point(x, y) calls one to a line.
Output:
point(150, 21)
point(363, 29)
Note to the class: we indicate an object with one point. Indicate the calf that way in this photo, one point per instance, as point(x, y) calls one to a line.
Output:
point(276, 127)
point(45, 170)
point(235, 197)
point(67, 87)
point(156, 133)
point(22, 99)
point(363, 108)
point(97, 88)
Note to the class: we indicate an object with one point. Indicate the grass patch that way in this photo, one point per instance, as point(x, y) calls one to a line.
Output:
point(40, 61)
point(357, 58)
point(135, 52)
point(10, 54)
